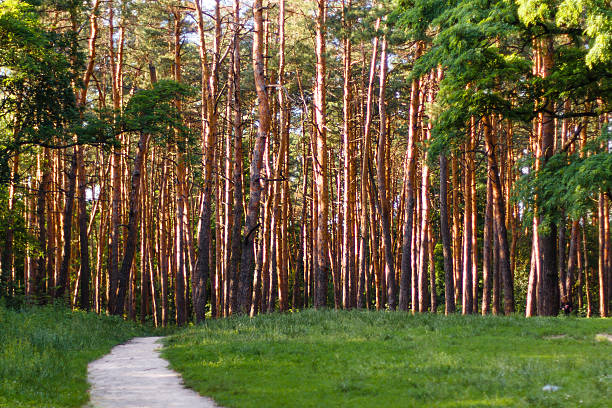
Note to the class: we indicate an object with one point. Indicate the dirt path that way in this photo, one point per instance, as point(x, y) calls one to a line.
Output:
point(134, 375)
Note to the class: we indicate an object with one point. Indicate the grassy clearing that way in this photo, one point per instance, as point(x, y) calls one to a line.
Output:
point(368, 359)
point(44, 353)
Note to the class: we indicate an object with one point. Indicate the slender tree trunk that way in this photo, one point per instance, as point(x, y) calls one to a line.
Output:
point(607, 254)
point(348, 248)
point(165, 247)
point(365, 159)
point(474, 229)
point(457, 254)
point(548, 239)
point(532, 285)
point(601, 258)
point(116, 187)
point(209, 134)
point(322, 265)
point(232, 270)
point(432, 270)
point(132, 227)
point(144, 238)
point(85, 275)
point(587, 284)
point(572, 262)
point(466, 299)
point(409, 165)
point(449, 295)
point(496, 301)
point(499, 218)
point(381, 181)
point(424, 230)
point(7, 274)
point(487, 272)
point(278, 207)
point(41, 266)
point(60, 289)
point(256, 183)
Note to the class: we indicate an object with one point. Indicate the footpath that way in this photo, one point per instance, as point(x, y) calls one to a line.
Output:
point(133, 375)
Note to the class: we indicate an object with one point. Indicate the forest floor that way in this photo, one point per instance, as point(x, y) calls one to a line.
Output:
point(365, 359)
point(133, 375)
point(44, 353)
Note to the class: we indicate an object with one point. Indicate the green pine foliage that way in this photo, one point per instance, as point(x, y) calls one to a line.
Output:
point(485, 51)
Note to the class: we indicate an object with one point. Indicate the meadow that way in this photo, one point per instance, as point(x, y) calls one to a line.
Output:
point(44, 353)
point(367, 359)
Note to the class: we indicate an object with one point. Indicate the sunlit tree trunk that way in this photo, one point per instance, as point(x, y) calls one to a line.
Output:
point(449, 287)
point(499, 218)
point(236, 248)
point(466, 299)
point(547, 239)
point(208, 117)
point(487, 250)
point(8, 268)
point(322, 264)
point(585, 267)
point(382, 186)
point(279, 174)
point(348, 249)
point(81, 171)
point(602, 266)
point(247, 261)
point(116, 181)
point(409, 165)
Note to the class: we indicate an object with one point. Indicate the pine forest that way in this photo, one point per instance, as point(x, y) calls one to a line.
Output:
point(172, 161)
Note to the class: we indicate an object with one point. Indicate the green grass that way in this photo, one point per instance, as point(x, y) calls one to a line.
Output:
point(381, 359)
point(44, 353)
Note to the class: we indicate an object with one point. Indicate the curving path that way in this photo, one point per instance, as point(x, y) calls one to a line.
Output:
point(133, 375)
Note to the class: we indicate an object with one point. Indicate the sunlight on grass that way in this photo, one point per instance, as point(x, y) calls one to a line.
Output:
point(44, 353)
point(366, 359)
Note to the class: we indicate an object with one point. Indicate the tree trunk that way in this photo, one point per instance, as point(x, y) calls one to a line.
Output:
point(322, 266)
point(499, 218)
point(278, 208)
point(85, 276)
point(487, 272)
point(432, 270)
point(132, 227)
point(601, 258)
point(60, 289)
point(7, 275)
point(548, 239)
point(232, 269)
point(572, 262)
point(208, 119)
point(449, 290)
point(381, 181)
point(531, 308)
point(256, 183)
point(587, 284)
point(115, 234)
point(348, 248)
point(466, 299)
point(409, 165)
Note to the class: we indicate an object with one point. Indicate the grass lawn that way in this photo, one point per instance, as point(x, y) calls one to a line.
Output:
point(381, 359)
point(44, 353)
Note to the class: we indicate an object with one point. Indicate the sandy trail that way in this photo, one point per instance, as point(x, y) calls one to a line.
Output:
point(134, 375)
